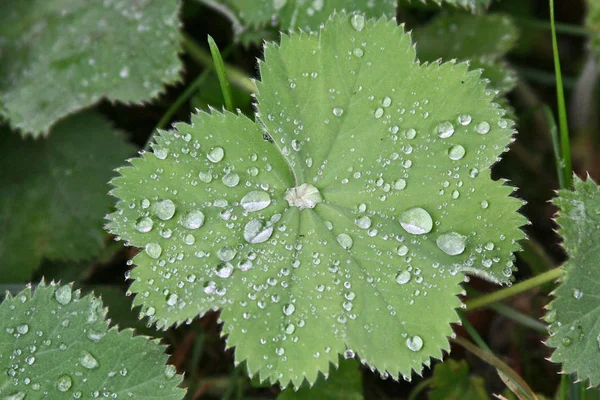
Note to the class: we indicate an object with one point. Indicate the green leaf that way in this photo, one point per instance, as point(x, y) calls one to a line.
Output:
point(55, 344)
point(293, 14)
point(592, 21)
point(482, 39)
point(451, 381)
point(53, 193)
point(344, 383)
point(574, 314)
point(60, 56)
point(310, 241)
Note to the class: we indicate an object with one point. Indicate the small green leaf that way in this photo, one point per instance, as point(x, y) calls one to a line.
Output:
point(55, 344)
point(343, 383)
point(482, 39)
point(355, 218)
point(574, 314)
point(60, 56)
point(53, 193)
point(451, 381)
point(294, 15)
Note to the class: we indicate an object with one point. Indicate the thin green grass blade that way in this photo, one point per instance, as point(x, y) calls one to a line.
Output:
point(221, 73)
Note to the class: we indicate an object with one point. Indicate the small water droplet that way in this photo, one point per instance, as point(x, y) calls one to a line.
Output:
point(456, 152)
point(88, 361)
point(345, 241)
point(464, 119)
point(226, 253)
point(363, 222)
point(153, 250)
point(416, 221)
point(257, 231)
point(349, 354)
point(144, 224)
point(193, 219)
point(577, 294)
point(231, 179)
point(290, 328)
point(205, 177)
point(378, 112)
point(358, 22)
point(170, 371)
point(482, 128)
point(255, 200)
point(403, 277)
point(164, 209)
point(64, 383)
point(400, 184)
point(451, 243)
point(410, 133)
point(445, 129)
point(338, 111)
point(215, 154)
point(358, 52)
point(23, 329)
point(414, 343)
point(63, 295)
point(289, 309)
point(386, 102)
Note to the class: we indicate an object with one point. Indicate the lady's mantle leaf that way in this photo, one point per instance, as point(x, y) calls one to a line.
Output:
point(59, 56)
point(53, 193)
point(482, 39)
point(349, 229)
point(55, 344)
point(344, 382)
point(451, 381)
point(574, 314)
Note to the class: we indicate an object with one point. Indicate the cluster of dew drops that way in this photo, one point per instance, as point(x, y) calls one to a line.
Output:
point(22, 360)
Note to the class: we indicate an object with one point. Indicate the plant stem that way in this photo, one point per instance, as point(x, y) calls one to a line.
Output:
point(508, 292)
point(568, 29)
point(221, 73)
point(519, 317)
point(473, 333)
point(562, 108)
point(494, 361)
point(202, 57)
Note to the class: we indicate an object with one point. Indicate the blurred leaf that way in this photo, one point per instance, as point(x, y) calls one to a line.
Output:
point(60, 56)
point(53, 193)
point(574, 314)
point(55, 344)
point(483, 39)
point(293, 15)
point(209, 94)
point(451, 381)
point(343, 383)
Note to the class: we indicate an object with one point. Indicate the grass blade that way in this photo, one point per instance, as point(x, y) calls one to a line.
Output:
point(221, 73)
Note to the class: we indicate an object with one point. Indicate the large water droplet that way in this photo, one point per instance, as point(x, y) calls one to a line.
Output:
point(153, 250)
point(63, 295)
point(403, 277)
point(88, 361)
point(64, 383)
point(164, 209)
point(464, 119)
point(345, 240)
point(193, 219)
point(451, 243)
point(303, 196)
point(414, 343)
point(144, 224)
point(226, 253)
point(215, 154)
point(257, 231)
point(23, 329)
point(482, 127)
point(416, 221)
point(363, 222)
point(225, 270)
point(400, 184)
point(445, 129)
point(205, 177)
point(358, 22)
point(289, 309)
point(456, 152)
point(255, 200)
point(231, 179)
